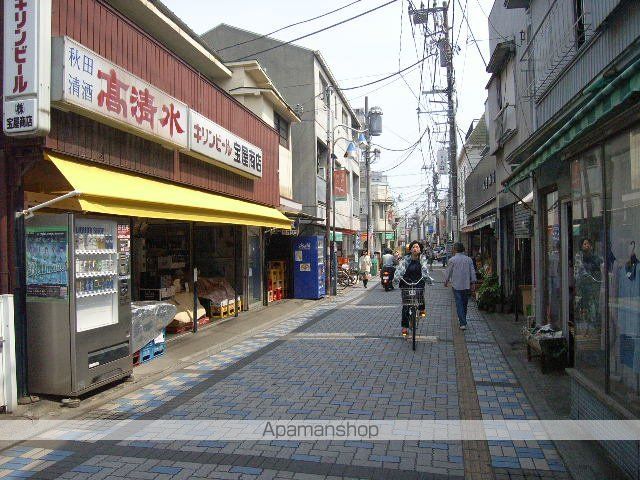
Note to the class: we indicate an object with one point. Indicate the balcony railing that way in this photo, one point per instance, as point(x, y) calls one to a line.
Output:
point(554, 44)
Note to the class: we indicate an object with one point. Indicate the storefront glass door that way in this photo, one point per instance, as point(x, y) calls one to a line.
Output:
point(552, 264)
point(254, 249)
point(586, 252)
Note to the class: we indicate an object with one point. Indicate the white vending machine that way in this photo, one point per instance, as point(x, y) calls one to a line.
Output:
point(78, 283)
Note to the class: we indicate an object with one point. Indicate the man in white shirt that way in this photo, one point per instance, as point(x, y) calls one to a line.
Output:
point(461, 275)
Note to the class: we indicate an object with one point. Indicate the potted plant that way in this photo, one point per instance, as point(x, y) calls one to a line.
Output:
point(479, 280)
point(489, 293)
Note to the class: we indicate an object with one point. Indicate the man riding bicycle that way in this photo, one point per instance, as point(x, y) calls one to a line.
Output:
point(413, 271)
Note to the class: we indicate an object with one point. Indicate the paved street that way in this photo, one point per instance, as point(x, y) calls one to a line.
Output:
point(341, 360)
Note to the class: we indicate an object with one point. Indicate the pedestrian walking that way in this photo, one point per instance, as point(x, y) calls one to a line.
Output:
point(365, 267)
point(429, 254)
point(461, 275)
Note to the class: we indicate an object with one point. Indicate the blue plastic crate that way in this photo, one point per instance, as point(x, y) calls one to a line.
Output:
point(159, 349)
point(147, 352)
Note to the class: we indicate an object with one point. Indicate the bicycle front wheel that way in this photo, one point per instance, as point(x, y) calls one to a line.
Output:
point(413, 330)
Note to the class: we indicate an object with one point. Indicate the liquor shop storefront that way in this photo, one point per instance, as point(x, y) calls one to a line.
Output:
point(149, 168)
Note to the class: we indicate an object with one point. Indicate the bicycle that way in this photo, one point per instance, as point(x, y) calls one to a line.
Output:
point(347, 277)
point(413, 298)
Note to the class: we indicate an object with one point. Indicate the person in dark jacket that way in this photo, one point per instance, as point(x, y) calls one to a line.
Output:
point(412, 270)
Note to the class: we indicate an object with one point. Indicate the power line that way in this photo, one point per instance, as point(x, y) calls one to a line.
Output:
point(404, 149)
point(407, 156)
point(288, 26)
point(379, 88)
point(490, 22)
point(315, 32)
point(388, 76)
point(466, 17)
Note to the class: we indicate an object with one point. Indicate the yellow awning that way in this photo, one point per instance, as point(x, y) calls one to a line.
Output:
point(119, 193)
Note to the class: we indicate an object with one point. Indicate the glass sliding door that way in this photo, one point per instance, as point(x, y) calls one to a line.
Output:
point(254, 257)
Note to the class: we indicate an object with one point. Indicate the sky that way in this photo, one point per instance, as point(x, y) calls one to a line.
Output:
point(369, 48)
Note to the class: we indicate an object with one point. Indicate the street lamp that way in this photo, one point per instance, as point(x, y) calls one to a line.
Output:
point(351, 152)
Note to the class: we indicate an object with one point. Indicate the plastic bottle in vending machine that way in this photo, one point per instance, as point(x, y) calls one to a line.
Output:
point(101, 240)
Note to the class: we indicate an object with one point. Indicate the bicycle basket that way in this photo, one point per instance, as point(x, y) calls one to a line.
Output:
point(412, 296)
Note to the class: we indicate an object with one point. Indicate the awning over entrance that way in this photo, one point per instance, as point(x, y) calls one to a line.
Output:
point(101, 190)
point(479, 224)
point(618, 91)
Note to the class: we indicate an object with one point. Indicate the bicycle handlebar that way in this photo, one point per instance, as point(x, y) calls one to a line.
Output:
point(428, 281)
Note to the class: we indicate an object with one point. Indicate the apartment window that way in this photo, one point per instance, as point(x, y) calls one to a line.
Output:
point(282, 127)
point(321, 159)
point(356, 186)
point(323, 87)
point(578, 26)
point(345, 117)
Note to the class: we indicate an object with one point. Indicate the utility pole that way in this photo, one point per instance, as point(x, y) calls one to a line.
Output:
point(453, 145)
point(421, 16)
point(327, 233)
point(367, 159)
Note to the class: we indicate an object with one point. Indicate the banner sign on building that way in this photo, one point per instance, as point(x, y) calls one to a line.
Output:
point(214, 142)
point(341, 184)
point(442, 161)
point(84, 80)
point(27, 67)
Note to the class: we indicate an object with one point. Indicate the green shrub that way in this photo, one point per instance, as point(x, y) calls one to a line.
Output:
point(489, 293)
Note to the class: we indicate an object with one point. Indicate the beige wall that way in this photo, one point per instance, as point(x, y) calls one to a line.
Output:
point(262, 107)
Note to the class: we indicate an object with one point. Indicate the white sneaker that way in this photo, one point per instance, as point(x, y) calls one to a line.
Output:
point(463, 327)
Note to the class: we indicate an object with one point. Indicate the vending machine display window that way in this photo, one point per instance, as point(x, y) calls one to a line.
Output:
point(96, 273)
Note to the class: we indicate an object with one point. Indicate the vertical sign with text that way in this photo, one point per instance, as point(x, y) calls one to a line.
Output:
point(27, 67)
point(341, 184)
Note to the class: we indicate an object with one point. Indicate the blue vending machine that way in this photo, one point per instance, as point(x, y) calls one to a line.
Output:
point(308, 266)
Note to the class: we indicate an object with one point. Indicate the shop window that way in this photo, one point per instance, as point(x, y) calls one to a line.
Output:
point(282, 127)
point(587, 308)
point(622, 187)
point(552, 264)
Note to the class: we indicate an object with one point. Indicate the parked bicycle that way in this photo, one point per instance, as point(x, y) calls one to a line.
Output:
point(347, 276)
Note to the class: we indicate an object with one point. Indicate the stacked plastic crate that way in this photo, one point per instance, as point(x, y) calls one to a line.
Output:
point(151, 350)
point(277, 283)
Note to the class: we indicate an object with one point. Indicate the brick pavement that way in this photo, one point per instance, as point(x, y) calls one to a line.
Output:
point(340, 360)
